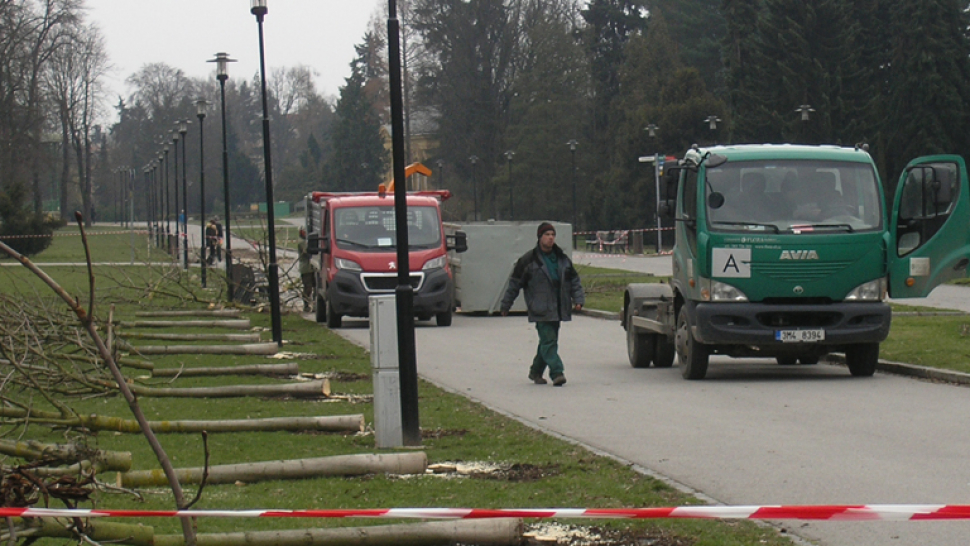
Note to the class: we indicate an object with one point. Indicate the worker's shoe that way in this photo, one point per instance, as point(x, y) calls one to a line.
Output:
point(558, 381)
point(537, 379)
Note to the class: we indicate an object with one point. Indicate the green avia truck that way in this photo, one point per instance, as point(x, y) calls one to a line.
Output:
point(787, 252)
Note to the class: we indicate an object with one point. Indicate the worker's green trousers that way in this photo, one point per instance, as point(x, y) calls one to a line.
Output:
point(548, 351)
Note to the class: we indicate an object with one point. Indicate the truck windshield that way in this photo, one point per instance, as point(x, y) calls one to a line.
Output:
point(374, 228)
point(791, 196)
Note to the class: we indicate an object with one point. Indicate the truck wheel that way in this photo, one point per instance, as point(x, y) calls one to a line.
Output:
point(663, 352)
point(320, 312)
point(692, 354)
point(333, 318)
point(862, 359)
point(639, 347)
point(443, 319)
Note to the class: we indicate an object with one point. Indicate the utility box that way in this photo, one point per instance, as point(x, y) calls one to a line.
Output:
point(388, 427)
point(482, 272)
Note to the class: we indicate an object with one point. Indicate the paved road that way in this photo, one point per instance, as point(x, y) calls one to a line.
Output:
point(752, 433)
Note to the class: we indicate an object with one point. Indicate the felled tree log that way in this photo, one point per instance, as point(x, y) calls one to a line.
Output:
point(310, 389)
point(340, 465)
point(195, 313)
point(289, 368)
point(33, 450)
point(103, 532)
point(240, 324)
point(270, 348)
point(335, 423)
point(483, 532)
point(127, 362)
point(193, 337)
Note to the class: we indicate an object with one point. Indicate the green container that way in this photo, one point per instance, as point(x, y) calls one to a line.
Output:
point(280, 209)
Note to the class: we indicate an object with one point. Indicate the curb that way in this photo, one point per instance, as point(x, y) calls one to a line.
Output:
point(888, 366)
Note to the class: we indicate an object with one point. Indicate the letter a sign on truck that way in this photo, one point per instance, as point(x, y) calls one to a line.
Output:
point(731, 263)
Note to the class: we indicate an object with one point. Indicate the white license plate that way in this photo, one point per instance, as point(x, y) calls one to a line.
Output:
point(799, 336)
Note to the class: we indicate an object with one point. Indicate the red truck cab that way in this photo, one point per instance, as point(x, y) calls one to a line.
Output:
point(354, 235)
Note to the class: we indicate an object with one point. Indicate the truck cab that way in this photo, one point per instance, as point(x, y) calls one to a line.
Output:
point(787, 252)
point(354, 237)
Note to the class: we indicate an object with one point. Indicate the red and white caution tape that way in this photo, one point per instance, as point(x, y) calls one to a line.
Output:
point(862, 512)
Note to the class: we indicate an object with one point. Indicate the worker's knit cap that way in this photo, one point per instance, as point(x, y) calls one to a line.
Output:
point(544, 227)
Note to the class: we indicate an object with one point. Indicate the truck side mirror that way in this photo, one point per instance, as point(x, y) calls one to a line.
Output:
point(667, 208)
point(316, 243)
point(460, 241)
point(671, 179)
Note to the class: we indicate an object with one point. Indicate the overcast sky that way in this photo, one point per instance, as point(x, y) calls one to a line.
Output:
point(184, 34)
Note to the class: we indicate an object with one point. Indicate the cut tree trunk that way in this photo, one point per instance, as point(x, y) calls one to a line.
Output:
point(482, 532)
point(333, 423)
point(101, 532)
point(288, 369)
point(340, 465)
point(310, 389)
point(241, 324)
point(196, 313)
point(251, 338)
point(33, 450)
point(249, 349)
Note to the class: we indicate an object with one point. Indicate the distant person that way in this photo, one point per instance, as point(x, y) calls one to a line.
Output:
point(218, 239)
point(211, 236)
point(552, 292)
point(308, 271)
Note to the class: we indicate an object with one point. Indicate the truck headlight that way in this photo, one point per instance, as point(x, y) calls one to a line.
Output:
point(349, 265)
point(435, 263)
point(868, 291)
point(719, 291)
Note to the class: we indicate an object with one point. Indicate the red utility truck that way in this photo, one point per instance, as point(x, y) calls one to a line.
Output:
point(354, 235)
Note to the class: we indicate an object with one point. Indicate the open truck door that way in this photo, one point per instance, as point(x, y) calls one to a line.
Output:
point(930, 230)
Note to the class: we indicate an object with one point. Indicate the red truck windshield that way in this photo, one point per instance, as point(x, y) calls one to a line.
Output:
point(373, 228)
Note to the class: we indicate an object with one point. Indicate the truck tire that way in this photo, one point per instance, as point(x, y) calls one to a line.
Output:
point(639, 347)
point(443, 319)
point(692, 354)
point(663, 352)
point(862, 359)
point(320, 312)
point(333, 318)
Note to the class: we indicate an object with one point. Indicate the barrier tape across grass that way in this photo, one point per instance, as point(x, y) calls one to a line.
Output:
point(861, 512)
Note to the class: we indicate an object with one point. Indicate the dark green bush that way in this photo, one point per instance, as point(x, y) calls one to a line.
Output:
point(22, 229)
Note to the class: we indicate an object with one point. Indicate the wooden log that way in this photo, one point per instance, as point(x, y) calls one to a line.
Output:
point(310, 389)
point(251, 338)
point(33, 450)
point(102, 532)
point(287, 369)
point(339, 465)
point(124, 361)
point(482, 532)
point(334, 423)
point(194, 313)
point(269, 348)
point(241, 324)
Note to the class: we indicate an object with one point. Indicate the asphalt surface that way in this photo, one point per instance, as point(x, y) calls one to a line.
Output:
point(752, 433)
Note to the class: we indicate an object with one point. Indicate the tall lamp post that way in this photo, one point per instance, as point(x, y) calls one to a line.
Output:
point(474, 160)
point(183, 129)
point(509, 154)
point(404, 293)
point(222, 61)
point(167, 202)
point(652, 132)
point(572, 150)
point(804, 110)
point(175, 182)
point(711, 122)
point(159, 204)
point(259, 9)
point(200, 113)
point(441, 171)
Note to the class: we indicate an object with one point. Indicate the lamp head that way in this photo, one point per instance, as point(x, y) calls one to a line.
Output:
point(572, 144)
point(183, 126)
point(258, 8)
point(175, 138)
point(200, 106)
point(222, 61)
point(651, 130)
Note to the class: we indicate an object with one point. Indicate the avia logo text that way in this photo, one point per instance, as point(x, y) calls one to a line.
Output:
point(798, 255)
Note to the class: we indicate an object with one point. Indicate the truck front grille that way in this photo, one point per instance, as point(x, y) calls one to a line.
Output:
point(387, 282)
point(799, 271)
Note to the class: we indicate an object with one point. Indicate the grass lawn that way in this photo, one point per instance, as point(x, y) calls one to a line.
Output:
point(536, 470)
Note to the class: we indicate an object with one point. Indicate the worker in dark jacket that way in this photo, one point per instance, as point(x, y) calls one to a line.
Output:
point(552, 292)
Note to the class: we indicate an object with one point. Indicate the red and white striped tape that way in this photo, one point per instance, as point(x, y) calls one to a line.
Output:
point(862, 512)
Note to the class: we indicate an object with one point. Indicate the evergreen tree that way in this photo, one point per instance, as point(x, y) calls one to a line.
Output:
point(699, 28)
point(359, 158)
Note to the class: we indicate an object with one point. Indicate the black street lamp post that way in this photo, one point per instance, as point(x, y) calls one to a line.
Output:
point(804, 110)
point(222, 61)
point(441, 171)
point(159, 204)
point(572, 151)
point(200, 113)
point(146, 175)
point(183, 129)
point(509, 154)
point(652, 132)
point(167, 202)
point(404, 293)
point(474, 160)
point(711, 122)
point(259, 9)
point(175, 182)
